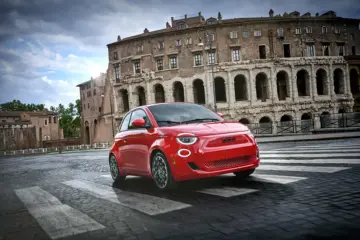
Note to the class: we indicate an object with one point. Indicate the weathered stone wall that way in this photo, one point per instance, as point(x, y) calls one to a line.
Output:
point(17, 137)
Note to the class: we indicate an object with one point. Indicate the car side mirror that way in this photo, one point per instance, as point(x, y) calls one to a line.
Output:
point(139, 123)
point(220, 115)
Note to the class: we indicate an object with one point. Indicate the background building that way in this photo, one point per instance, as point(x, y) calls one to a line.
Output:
point(96, 118)
point(260, 70)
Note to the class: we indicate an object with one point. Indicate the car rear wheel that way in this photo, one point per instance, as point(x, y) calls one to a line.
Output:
point(161, 172)
point(114, 170)
point(244, 174)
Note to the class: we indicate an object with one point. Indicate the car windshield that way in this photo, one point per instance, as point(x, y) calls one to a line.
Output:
point(182, 113)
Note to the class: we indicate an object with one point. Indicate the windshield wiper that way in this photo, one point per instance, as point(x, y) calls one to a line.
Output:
point(168, 122)
point(200, 120)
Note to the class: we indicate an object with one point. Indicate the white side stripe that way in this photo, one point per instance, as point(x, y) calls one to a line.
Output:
point(144, 203)
point(58, 220)
point(227, 191)
point(298, 168)
point(314, 161)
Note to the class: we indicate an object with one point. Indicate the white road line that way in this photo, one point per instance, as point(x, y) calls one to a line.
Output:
point(297, 168)
point(227, 191)
point(313, 161)
point(281, 179)
point(109, 176)
point(317, 151)
point(308, 155)
point(320, 147)
point(144, 203)
point(275, 178)
point(58, 220)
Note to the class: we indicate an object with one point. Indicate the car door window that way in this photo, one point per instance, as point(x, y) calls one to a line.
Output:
point(125, 123)
point(139, 114)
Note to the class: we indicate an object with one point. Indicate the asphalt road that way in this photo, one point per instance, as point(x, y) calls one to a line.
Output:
point(307, 190)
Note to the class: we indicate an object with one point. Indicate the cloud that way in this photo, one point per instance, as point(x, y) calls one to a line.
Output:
point(48, 47)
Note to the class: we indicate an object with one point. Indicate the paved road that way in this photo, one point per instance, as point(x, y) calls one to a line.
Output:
point(300, 191)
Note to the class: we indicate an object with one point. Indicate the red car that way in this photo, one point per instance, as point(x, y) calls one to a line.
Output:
point(173, 142)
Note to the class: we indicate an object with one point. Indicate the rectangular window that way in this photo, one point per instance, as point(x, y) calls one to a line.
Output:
point(326, 50)
point(160, 64)
point(117, 74)
point(287, 52)
point(233, 34)
point(245, 34)
point(197, 59)
point(324, 29)
point(94, 92)
point(235, 54)
point(337, 31)
point(310, 50)
point(115, 56)
point(189, 41)
point(84, 106)
point(99, 109)
point(49, 120)
point(280, 32)
point(257, 33)
point(353, 50)
point(211, 58)
point(161, 45)
point(55, 118)
point(137, 67)
point(140, 48)
point(297, 30)
point(262, 52)
point(173, 62)
point(46, 122)
point(308, 30)
point(341, 50)
point(89, 94)
point(178, 42)
point(88, 105)
point(211, 37)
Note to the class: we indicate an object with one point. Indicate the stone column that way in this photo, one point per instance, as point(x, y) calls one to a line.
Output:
point(313, 82)
point(230, 90)
point(273, 84)
point(331, 81)
point(169, 92)
point(294, 85)
point(209, 83)
point(252, 88)
point(149, 92)
point(130, 96)
point(347, 81)
point(317, 124)
point(189, 96)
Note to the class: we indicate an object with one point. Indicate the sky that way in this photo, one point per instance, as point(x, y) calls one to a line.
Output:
point(47, 47)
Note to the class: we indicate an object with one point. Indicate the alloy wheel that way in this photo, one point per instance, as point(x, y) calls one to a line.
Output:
point(114, 170)
point(160, 171)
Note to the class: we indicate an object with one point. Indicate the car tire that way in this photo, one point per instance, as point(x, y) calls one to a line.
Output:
point(114, 170)
point(161, 172)
point(244, 174)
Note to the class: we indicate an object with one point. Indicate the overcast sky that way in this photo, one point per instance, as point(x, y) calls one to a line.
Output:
point(47, 47)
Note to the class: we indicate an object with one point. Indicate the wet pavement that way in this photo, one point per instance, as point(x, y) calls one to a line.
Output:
point(307, 190)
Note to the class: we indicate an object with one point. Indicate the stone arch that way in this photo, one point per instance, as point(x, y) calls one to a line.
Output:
point(306, 116)
point(240, 86)
point(141, 95)
point(244, 121)
point(303, 83)
point(321, 82)
point(265, 119)
point(178, 92)
point(286, 118)
point(159, 93)
point(125, 100)
point(283, 90)
point(262, 88)
point(87, 133)
point(220, 89)
point(199, 91)
point(339, 85)
point(354, 81)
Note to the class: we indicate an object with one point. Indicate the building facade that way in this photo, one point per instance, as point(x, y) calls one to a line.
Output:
point(95, 119)
point(260, 70)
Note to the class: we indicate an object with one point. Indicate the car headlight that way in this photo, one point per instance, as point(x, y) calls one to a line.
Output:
point(186, 139)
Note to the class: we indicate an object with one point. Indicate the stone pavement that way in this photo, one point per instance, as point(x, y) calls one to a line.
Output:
point(300, 191)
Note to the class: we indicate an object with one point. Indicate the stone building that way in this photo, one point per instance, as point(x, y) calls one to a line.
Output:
point(260, 70)
point(19, 129)
point(95, 114)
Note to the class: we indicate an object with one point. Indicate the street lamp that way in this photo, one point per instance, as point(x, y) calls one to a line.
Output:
point(201, 44)
point(111, 111)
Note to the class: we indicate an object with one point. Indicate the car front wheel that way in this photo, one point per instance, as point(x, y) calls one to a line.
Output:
point(161, 172)
point(114, 170)
point(244, 174)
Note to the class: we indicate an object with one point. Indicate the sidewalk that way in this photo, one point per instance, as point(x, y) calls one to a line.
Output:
point(308, 137)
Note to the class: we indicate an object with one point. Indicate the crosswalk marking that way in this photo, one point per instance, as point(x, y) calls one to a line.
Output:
point(280, 179)
point(319, 147)
point(58, 220)
point(227, 191)
point(317, 151)
point(144, 203)
point(307, 155)
point(299, 168)
point(313, 161)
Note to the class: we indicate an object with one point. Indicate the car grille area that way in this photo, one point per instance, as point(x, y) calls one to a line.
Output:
point(227, 163)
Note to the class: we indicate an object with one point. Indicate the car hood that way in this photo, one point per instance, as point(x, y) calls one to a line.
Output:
point(207, 128)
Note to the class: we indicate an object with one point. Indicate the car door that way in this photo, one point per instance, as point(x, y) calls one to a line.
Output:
point(124, 156)
point(139, 142)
